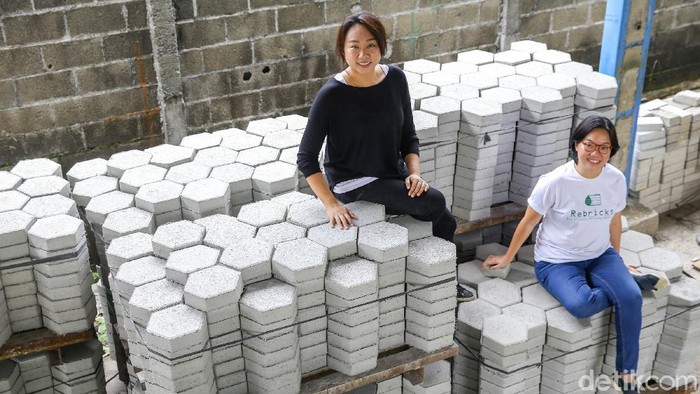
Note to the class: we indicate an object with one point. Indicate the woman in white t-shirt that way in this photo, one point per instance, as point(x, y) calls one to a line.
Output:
point(576, 251)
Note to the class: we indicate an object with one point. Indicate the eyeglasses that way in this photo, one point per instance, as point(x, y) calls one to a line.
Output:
point(589, 146)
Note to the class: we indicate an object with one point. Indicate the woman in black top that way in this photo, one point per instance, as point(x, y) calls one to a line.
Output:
point(364, 114)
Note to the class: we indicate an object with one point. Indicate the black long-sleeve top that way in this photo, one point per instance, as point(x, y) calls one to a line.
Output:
point(369, 130)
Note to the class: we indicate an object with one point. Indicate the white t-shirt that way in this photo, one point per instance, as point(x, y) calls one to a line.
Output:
point(577, 212)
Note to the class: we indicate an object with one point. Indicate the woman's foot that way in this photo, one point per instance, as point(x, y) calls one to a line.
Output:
point(656, 281)
point(627, 387)
point(464, 295)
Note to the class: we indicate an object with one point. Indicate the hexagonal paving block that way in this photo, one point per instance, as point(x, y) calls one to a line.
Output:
point(662, 260)
point(127, 221)
point(445, 108)
point(56, 204)
point(86, 169)
point(201, 141)
point(262, 213)
point(262, 127)
point(138, 272)
point(565, 84)
point(188, 172)
point(421, 66)
point(475, 56)
point(541, 99)
point(417, 229)
point(159, 197)
point(177, 235)
point(216, 156)
point(268, 302)
point(275, 178)
point(481, 112)
point(181, 263)
point(14, 226)
point(242, 142)
point(237, 175)
point(213, 288)
point(152, 297)
point(504, 335)
point(431, 257)
point(511, 57)
point(309, 213)
point(528, 46)
point(382, 242)
point(440, 78)
point(596, 85)
point(282, 139)
point(167, 156)
point(630, 258)
point(339, 242)
point(497, 69)
point(280, 232)
point(563, 325)
point(206, 195)
point(352, 278)
point(573, 68)
point(289, 155)
point(459, 91)
point(251, 257)
point(9, 181)
point(134, 178)
point(56, 233)
point(177, 330)
point(635, 241)
point(299, 261)
point(230, 132)
point(532, 316)
point(11, 200)
point(479, 80)
point(223, 231)
point(290, 198)
point(499, 292)
point(509, 99)
point(521, 274)
point(44, 186)
point(122, 161)
point(551, 56)
point(516, 82)
point(127, 248)
point(34, 168)
point(534, 69)
point(258, 155)
point(294, 121)
point(685, 292)
point(366, 212)
point(458, 68)
point(86, 189)
point(539, 296)
point(100, 206)
point(471, 315)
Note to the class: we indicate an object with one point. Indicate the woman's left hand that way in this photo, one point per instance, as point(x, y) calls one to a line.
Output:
point(416, 185)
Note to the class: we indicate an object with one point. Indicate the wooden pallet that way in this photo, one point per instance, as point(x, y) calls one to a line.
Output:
point(403, 360)
point(41, 339)
point(500, 214)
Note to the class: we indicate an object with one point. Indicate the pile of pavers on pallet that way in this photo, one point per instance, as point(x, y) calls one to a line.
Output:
point(45, 278)
point(665, 171)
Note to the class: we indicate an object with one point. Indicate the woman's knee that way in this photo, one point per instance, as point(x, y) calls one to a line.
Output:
point(581, 308)
point(630, 297)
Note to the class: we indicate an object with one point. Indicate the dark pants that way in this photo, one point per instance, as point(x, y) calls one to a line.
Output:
point(392, 193)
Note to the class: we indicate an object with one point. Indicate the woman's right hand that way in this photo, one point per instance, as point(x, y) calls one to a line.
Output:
point(496, 262)
point(340, 215)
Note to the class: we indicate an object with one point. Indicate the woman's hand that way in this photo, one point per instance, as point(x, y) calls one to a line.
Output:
point(416, 185)
point(496, 262)
point(340, 215)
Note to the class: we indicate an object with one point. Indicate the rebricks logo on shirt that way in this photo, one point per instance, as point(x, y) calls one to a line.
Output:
point(591, 200)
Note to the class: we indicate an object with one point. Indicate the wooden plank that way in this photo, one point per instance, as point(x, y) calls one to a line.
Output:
point(500, 214)
point(28, 342)
point(389, 364)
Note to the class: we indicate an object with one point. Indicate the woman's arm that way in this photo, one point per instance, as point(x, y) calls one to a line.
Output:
point(414, 183)
point(524, 229)
point(616, 231)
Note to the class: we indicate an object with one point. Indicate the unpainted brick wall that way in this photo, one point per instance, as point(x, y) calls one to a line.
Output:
point(77, 78)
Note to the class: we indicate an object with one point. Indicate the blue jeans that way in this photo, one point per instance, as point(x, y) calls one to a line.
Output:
point(392, 193)
point(587, 287)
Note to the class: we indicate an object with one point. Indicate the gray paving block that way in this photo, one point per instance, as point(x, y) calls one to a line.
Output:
point(223, 231)
point(34, 168)
point(382, 242)
point(458, 68)
point(685, 292)
point(216, 156)
point(282, 139)
point(251, 257)
point(127, 248)
point(262, 127)
point(241, 141)
point(481, 112)
point(421, 66)
point(86, 189)
point(541, 99)
point(290, 198)
point(213, 288)
point(86, 169)
point(528, 46)
point(499, 292)
point(479, 80)
point(534, 318)
point(497, 69)
point(56, 232)
point(308, 213)
point(138, 272)
point(504, 335)
point(534, 69)
point(471, 315)
point(174, 236)
point(419, 91)
point(269, 302)
point(445, 108)
point(258, 155)
point(44, 186)
point(431, 256)
point(293, 121)
point(439, 78)
point(352, 278)
point(176, 330)
point(188, 172)
point(12, 200)
point(526, 254)
point(551, 56)
point(299, 260)
point(509, 99)
point(56, 204)
point(201, 141)
point(516, 82)
point(14, 226)
point(512, 57)
point(280, 232)
point(459, 91)
point(167, 156)
point(133, 178)
point(573, 68)
point(538, 296)
point(564, 84)
point(183, 262)
point(122, 161)
point(521, 274)
point(159, 197)
point(662, 260)
point(339, 242)
point(9, 181)
point(564, 326)
point(101, 206)
point(206, 195)
point(152, 297)
point(475, 56)
point(127, 221)
point(351, 369)
point(417, 229)
point(426, 124)
point(262, 213)
point(596, 85)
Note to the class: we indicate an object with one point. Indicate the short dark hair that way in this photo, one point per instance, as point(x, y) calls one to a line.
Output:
point(589, 124)
point(370, 22)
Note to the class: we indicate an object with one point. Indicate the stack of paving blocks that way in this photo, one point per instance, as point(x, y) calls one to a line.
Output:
point(35, 369)
point(595, 95)
point(647, 161)
point(437, 379)
point(268, 322)
point(80, 369)
point(690, 101)
point(10, 377)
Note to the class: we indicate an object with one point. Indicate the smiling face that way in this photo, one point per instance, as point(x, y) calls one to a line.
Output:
point(361, 52)
point(590, 164)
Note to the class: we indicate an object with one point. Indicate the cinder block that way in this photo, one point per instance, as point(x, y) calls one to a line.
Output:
point(213, 288)
point(159, 197)
point(216, 156)
point(127, 221)
point(176, 236)
point(382, 242)
point(258, 155)
point(262, 127)
point(34, 168)
point(251, 257)
point(188, 172)
point(127, 248)
point(56, 204)
point(275, 178)
point(122, 161)
point(476, 56)
point(152, 297)
point(298, 261)
point(201, 141)
point(134, 178)
point(241, 142)
point(183, 262)
point(167, 156)
point(86, 189)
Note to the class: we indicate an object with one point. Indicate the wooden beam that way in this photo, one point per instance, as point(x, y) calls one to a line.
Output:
point(28, 342)
point(500, 214)
point(389, 364)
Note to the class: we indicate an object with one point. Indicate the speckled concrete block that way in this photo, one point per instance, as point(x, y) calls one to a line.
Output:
point(470, 273)
point(122, 161)
point(56, 233)
point(56, 204)
point(509, 99)
point(516, 82)
point(499, 292)
point(159, 197)
point(684, 293)
point(34, 168)
point(445, 108)
point(417, 229)
point(127, 221)
point(291, 198)
point(475, 56)
point(426, 125)
point(267, 305)
point(662, 260)
point(275, 178)
point(44, 186)
point(14, 226)
point(201, 141)
point(86, 189)
point(213, 288)
point(238, 176)
point(528, 46)
point(127, 248)
point(481, 112)
point(298, 261)
point(183, 262)
point(538, 296)
point(223, 231)
point(283, 139)
point(440, 78)
point(101, 206)
point(188, 172)
point(152, 297)
point(339, 243)
point(216, 156)
point(258, 155)
point(251, 257)
point(205, 197)
point(176, 236)
point(280, 232)
point(176, 331)
point(541, 99)
point(309, 213)
point(596, 85)
point(138, 272)
point(382, 242)
point(262, 213)
point(80, 370)
point(167, 156)
point(9, 181)
point(241, 142)
point(534, 69)
point(497, 70)
point(366, 212)
point(420, 91)
point(262, 127)
point(431, 257)
point(564, 84)
point(12, 200)
point(459, 91)
point(565, 327)
point(458, 68)
point(479, 80)
point(134, 178)
point(635, 241)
